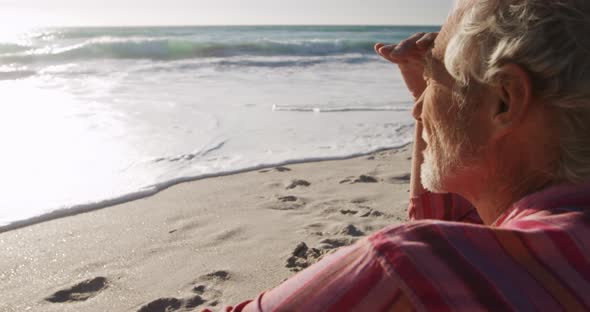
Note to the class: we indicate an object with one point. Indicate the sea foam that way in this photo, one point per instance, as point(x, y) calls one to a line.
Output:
point(98, 116)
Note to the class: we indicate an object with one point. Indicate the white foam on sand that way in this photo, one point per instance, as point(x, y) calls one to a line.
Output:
point(154, 189)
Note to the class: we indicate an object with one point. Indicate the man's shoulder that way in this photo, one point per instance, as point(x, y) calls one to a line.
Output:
point(429, 237)
point(439, 262)
point(421, 246)
point(429, 256)
point(423, 233)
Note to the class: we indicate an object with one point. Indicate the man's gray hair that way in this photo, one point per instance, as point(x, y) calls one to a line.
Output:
point(550, 39)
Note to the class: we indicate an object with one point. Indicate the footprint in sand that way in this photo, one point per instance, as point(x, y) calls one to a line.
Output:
point(205, 290)
point(348, 211)
point(194, 302)
point(174, 304)
point(400, 179)
point(286, 199)
point(365, 179)
point(218, 276)
point(361, 179)
point(81, 291)
point(162, 305)
point(302, 257)
point(351, 230)
point(287, 203)
point(347, 180)
point(201, 295)
point(296, 183)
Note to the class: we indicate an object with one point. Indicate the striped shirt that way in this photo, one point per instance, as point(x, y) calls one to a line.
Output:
point(535, 256)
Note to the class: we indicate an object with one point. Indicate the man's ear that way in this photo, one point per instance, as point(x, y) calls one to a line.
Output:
point(514, 94)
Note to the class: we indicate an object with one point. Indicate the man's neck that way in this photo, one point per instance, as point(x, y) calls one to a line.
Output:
point(495, 193)
point(511, 169)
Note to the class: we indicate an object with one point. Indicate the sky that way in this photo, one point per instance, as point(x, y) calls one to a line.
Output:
point(25, 13)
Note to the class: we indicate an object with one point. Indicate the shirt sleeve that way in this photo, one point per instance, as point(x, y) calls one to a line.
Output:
point(354, 278)
point(446, 207)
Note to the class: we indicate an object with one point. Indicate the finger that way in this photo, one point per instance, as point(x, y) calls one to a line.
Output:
point(395, 55)
point(416, 36)
point(378, 46)
point(386, 51)
point(401, 50)
point(426, 41)
point(429, 36)
point(408, 45)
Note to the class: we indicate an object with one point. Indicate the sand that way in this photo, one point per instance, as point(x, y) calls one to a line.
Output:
point(212, 242)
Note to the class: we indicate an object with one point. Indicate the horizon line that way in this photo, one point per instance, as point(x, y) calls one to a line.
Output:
point(235, 25)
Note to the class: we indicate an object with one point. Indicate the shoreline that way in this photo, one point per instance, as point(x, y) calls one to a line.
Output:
point(152, 190)
point(206, 243)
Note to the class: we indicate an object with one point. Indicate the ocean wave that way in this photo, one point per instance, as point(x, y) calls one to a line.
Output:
point(253, 62)
point(11, 73)
point(16, 75)
point(176, 49)
point(189, 31)
point(49, 34)
point(302, 62)
point(10, 48)
point(304, 109)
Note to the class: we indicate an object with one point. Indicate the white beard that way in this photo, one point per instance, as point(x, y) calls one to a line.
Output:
point(431, 173)
point(431, 170)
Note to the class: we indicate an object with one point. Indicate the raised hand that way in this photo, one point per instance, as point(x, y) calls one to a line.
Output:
point(409, 56)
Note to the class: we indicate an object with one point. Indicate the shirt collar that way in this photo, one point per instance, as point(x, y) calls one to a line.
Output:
point(564, 195)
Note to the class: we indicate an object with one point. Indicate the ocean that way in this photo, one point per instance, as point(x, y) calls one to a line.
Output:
point(97, 116)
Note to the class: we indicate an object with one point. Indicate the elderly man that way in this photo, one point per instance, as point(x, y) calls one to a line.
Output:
point(503, 119)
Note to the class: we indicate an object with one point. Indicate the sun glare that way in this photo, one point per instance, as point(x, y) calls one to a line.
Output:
point(15, 26)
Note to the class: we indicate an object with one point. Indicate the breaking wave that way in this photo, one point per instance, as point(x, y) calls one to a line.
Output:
point(176, 49)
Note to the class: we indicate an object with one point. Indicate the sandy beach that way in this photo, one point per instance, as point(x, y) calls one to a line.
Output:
point(207, 243)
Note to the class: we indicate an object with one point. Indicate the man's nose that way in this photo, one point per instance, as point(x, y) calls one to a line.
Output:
point(417, 111)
